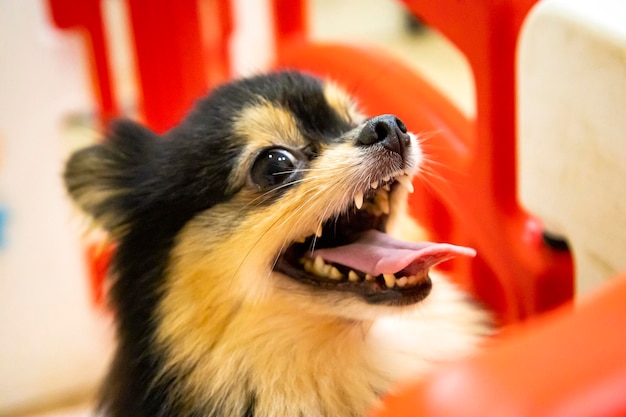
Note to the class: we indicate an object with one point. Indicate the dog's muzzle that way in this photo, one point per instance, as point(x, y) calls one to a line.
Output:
point(350, 251)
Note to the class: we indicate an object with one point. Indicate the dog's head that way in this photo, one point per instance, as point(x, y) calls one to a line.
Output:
point(274, 186)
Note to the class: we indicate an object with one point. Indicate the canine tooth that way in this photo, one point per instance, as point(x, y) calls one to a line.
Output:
point(406, 182)
point(352, 276)
point(374, 185)
point(387, 187)
point(319, 266)
point(327, 270)
point(358, 200)
point(401, 282)
point(369, 277)
point(308, 266)
point(390, 280)
point(318, 231)
point(387, 178)
point(334, 273)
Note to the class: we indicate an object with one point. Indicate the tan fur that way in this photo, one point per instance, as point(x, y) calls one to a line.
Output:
point(292, 344)
point(264, 124)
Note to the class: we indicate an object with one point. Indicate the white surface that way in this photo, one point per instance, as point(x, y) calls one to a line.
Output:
point(52, 344)
point(572, 147)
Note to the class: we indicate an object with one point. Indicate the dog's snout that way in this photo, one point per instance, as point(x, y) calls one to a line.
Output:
point(387, 130)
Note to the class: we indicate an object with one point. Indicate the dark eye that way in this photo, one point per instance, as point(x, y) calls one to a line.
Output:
point(273, 167)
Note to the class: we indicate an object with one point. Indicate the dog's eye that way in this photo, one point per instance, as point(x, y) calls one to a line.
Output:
point(273, 167)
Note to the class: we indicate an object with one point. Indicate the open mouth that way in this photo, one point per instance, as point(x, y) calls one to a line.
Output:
point(352, 252)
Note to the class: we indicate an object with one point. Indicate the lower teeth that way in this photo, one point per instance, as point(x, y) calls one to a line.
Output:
point(321, 269)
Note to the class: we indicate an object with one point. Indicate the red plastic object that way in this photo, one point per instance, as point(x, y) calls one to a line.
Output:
point(181, 47)
point(170, 60)
point(569, 363)
point(473, 200)
point(98, 258)
point(86, 17)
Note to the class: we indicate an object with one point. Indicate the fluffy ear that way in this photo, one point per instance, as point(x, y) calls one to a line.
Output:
point(103, 179)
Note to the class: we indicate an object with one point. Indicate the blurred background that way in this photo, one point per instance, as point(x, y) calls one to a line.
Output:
point(55, 332)
point(54, 342)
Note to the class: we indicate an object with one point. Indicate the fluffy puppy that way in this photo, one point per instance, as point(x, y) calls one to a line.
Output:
point(253, 274)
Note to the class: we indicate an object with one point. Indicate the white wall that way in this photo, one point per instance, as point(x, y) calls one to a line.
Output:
point(52, 343)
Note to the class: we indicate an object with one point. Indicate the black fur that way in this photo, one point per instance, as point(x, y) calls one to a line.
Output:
point(161, 182)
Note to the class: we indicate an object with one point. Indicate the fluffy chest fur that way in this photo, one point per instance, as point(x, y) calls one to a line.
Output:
point(279, 360)
point(255, 272)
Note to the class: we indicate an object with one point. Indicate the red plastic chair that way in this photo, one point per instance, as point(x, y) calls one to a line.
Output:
point(180, 48)
point(474, 202)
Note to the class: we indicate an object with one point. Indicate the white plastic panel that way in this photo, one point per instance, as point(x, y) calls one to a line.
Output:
point(572, 129)
point(53, 344)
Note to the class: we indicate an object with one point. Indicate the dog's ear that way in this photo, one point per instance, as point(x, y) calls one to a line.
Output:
point(104, 179)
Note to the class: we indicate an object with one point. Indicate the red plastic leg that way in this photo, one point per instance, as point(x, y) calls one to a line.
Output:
point(169, 55)
point(86, 16)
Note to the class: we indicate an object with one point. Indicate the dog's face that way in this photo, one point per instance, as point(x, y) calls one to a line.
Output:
point(274, 186)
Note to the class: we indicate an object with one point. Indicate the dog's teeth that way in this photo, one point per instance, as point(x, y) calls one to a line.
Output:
point(358, 200)
point(387, 187)
point(406, 182)
point(352, 276)
point(402, 282)
point(308, 266)
point(319, 266)
point(369, 277)
point(374, 185)
point(318, 231)
point(301, 240)
point(334, 273)
point(390, 280)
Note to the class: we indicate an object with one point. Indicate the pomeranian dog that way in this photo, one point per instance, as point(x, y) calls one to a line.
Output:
point(253, 274)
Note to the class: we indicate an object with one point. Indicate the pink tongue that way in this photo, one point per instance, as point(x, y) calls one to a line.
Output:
point(378, 253)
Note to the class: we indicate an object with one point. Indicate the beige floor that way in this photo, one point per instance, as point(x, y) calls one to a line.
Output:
point(380, 22)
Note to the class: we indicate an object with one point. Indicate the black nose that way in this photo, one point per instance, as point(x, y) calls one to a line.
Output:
point(387, 130)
